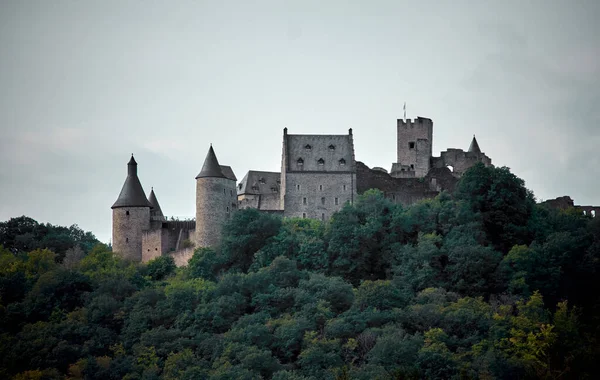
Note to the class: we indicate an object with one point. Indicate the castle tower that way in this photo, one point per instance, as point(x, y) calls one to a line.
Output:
point(156, 213)
point(131, 216)
point(415, 143)
point(216, 199)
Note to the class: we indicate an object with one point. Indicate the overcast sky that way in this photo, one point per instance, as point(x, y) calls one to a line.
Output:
point(83, 84)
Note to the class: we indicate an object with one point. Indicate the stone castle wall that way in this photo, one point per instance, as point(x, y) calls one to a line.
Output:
point(460, 160)
point(128, 226)
point(154, 243)
point(318, 195)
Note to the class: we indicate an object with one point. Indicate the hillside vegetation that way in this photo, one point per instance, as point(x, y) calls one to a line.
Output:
point(479, 284)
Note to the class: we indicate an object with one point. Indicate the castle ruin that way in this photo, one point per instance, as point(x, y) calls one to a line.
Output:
point(319, 174)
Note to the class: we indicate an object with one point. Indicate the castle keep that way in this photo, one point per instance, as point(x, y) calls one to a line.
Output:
point(319, 174)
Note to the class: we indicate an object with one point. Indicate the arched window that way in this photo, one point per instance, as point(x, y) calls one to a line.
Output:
point(300, 162)
point(342, 162)
point(331, 147)
point(321, 161)
point(307, 147)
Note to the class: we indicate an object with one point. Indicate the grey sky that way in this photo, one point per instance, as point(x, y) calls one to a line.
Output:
point(83, 84)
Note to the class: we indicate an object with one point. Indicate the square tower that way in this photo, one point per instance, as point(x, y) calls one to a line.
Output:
point(415, 141)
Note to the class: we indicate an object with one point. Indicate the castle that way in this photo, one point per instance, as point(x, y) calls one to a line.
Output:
point(319, 174)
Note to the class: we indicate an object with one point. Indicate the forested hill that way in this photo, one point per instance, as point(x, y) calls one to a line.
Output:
point(479, 284)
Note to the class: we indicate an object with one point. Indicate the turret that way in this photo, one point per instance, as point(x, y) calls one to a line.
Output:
point(156, 213)
point(131, 216)
point(474, 147)
point(216, 199)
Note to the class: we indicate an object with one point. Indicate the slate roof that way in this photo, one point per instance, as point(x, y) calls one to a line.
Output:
point(211, 167)
point(259, 182)
point(156, 210)
point(474, 147)
point(228, 172)
point(132, 194)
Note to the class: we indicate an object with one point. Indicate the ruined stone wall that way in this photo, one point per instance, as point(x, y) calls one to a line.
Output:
point(405, 191)
point(182, 257)
point(460, 160)
point(318, 195)
point(411, 152)
point(128, 226)
point(216, 200)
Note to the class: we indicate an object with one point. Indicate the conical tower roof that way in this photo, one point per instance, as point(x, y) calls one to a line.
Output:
point(211, 167)
point(132, 194)
point(474, 147)
point(156, 210)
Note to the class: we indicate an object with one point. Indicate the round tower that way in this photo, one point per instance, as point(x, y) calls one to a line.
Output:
point(216, 197)
point(131, 216)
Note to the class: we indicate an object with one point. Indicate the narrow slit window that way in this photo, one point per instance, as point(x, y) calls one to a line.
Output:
point(303, 215)
point(320, 187)
point(304, 201)
point(127, 212)
point(298, 187)
point(323, 200)
point(337, 201)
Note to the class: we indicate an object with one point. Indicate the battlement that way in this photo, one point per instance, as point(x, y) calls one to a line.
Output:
point(418, 122)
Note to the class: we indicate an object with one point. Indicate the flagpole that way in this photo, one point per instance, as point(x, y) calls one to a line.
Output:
point(405, 112)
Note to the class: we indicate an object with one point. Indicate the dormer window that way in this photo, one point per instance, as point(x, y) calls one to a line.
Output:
point(240, 186)
point(321, 162)
point(307, 147)
point(331, 147)
point(300, 162)
point(255, 187)
point(262, 180)
point(342, 162)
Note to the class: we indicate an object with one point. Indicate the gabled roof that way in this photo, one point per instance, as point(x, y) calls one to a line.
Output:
point(156, 210)
point(259, 182)
point(211, 167)
point(132, 194)
point(474, 147)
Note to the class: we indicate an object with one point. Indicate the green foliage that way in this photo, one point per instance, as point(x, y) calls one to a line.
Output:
point(160, 267)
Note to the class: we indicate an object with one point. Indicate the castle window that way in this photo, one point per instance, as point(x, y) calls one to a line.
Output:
point(344, 187)
point(274, 189)
point(240, 186)
point(303, 215)
point(255, 187)
point(307, 147)
point(342, 162)
point(304, 201)
point(231, 192)
point(126, 240)
point(127, 212)
point(322, 216)
point(227, 208)
point(411, 145)
point(148, 249)
point(298, 187)
point(262, 180)
point(278, 181)
point(323, 200)
point(412, 167)
point(156, 249)
point(321, 162)
point(331, 147)
point(223, 191)
point(300, 162)
point(336, 201)
point(320, 187)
